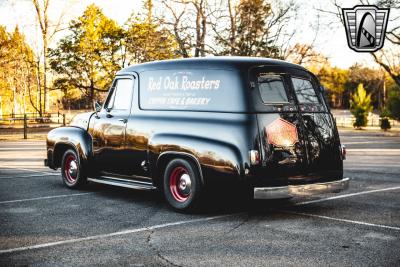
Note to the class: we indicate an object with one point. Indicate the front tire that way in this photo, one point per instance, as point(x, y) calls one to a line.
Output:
point(72, 171)
point(182, 185)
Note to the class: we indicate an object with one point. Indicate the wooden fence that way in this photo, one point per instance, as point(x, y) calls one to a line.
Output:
point(28, 120)
point(346, 121)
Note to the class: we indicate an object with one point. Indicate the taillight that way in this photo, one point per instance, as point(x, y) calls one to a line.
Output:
point(343, 151)
point(254, 157)
point(281, 133)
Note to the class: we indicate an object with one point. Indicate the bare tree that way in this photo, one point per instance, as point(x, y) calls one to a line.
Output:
point(305, 53)
point(188, 20)
point(223, 23)
point(201, 27)
point(233, 19)
point(177, 22)
point(42, 17)
point(253, 28)
point(229, 27)
point(48, 30)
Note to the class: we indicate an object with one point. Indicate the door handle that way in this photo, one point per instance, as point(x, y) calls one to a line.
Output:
point(123, 120)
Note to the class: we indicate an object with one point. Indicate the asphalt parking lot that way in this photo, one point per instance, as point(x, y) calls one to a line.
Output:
point(44, 224)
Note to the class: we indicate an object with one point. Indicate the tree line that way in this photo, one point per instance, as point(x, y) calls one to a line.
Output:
point(81, 65)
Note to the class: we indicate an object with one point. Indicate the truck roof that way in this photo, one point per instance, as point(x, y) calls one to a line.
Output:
point(224, 62)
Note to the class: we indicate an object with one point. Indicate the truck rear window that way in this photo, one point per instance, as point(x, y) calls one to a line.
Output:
point(272, 89)
point(192, 90)
point(304, 91)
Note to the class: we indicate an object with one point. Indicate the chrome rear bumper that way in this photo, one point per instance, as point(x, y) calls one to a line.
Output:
point(300, 190)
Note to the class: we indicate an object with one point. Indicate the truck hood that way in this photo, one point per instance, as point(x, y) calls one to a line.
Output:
point(82, 120)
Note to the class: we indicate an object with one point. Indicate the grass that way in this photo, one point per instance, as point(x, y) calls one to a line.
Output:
point(394, 131)
point(15, 134)
point(15, 137)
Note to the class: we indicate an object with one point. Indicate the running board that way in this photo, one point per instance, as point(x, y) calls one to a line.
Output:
point(122, 183)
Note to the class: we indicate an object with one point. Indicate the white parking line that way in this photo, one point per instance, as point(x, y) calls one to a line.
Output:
point(32, 175)
point(345, 220)
point(21, 148)
point(22, 169)
point(40, 198)
point(69, 241)
point(347, 195)
point(373, 150)
point(369, 142)
point(125, 232)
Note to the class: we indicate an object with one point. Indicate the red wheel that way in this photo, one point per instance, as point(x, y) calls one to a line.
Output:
point(71, 170)
point(180, 184)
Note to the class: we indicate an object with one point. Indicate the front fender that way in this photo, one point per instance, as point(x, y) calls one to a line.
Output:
point(212, 155)
point(59, 139)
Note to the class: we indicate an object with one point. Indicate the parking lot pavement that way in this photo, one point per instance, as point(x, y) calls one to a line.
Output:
point(43, 223)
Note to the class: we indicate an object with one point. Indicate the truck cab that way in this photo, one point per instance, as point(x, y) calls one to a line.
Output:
point(181, 125)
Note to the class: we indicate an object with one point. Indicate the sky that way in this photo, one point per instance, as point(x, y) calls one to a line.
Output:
point(331, 37)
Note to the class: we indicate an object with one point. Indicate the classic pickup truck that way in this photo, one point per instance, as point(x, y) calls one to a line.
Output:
point(181, 125)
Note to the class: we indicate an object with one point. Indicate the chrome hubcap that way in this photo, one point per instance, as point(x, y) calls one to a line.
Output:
point(185, 184)
point(73, 168)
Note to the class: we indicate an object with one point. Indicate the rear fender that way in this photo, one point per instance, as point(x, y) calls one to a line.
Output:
point(207, 154)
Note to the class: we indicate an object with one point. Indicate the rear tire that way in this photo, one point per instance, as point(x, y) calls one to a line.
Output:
point(72, 171)
point(182, 185)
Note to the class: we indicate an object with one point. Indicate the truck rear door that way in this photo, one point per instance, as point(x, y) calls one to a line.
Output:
point(320, 132)
point(298, 139)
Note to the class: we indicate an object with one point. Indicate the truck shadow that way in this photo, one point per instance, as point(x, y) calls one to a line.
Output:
point(214, 203)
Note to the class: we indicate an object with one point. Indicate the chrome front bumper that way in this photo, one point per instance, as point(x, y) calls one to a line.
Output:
point(300, 190)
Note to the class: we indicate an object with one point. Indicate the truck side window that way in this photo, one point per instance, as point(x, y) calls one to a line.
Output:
point(304, 91)
point(272, 89)
point(121, 95)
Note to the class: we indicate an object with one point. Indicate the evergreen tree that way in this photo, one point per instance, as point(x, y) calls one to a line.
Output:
point(360, 106)
point(252, 29)
point(146, 41)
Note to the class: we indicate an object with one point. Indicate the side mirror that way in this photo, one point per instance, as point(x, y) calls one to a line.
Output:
point(97, 106)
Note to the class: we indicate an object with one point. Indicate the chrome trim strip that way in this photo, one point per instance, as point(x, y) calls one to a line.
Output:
point(127, 185)
point(125, 180)
point(123, 176)
point(300, 190)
